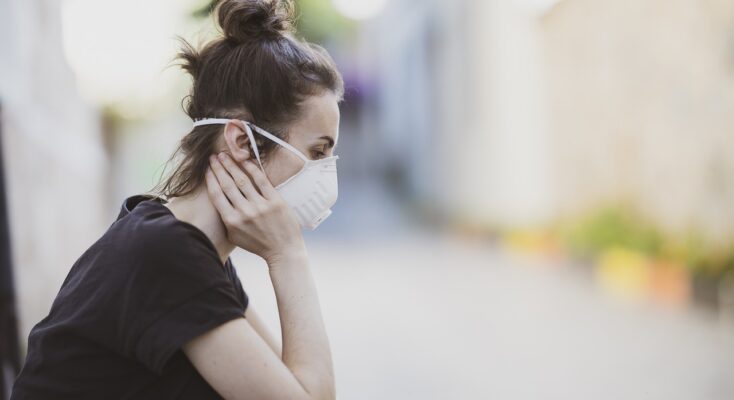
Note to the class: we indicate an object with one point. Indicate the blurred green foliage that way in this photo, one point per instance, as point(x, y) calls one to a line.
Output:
point(621, 226)
point(320, 22)
point(611, 226)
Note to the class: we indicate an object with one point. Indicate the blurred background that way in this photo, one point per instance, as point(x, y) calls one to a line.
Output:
point(536, 196)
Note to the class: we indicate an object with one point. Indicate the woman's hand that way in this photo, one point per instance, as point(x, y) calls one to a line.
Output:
point(257, 219)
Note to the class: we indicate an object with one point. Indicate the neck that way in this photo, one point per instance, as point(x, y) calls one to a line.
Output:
point(196, 209)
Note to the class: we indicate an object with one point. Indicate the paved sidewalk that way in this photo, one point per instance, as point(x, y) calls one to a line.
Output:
point(430, 317)
point(415, 314)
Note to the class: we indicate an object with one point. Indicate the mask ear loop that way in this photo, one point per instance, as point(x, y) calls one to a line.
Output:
point(276, 140)
point(252, 143)
point(247, 125)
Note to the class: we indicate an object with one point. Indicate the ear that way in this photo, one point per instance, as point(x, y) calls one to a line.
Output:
point(237, 142)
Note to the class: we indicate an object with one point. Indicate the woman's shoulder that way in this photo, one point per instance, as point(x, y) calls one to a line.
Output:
point(147, 229)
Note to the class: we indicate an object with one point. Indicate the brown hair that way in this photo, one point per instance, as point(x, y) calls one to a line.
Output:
point(258, 71)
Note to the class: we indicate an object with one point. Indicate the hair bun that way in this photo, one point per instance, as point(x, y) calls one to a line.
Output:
point(243, 20)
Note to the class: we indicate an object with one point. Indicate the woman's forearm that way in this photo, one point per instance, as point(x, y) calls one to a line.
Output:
point(257, 323)
point(306, 350)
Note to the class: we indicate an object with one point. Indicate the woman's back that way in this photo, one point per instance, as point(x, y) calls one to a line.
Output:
point(148, 285)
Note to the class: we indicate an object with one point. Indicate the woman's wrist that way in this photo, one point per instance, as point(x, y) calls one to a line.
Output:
point(288, 258)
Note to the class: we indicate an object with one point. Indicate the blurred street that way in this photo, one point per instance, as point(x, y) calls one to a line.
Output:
point(422, 315)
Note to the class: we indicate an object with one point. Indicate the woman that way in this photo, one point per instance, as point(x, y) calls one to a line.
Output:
point(154, 308)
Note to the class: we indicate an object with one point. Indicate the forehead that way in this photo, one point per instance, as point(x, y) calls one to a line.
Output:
point(319, 117)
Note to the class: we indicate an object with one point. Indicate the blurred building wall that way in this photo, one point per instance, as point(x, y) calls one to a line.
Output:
point(516, 113)
point(54, 156)
point(399, 48)
point(461, 109)
point(641, 97)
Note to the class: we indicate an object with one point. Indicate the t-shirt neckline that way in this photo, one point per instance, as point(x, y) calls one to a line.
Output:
point(159, 202)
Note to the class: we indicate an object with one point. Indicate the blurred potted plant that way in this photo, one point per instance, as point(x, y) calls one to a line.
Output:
point(629, 254)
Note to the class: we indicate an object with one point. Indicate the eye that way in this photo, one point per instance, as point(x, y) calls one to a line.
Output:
point(318, 154)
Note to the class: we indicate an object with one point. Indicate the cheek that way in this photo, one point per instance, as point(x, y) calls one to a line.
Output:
point(281, 167)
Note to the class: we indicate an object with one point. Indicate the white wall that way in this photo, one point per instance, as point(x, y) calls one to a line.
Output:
point(515, 112)
point(462, 108)
point(54, 157)
point(642, 93)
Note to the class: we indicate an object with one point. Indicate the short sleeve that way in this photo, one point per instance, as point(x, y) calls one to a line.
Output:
point(176, 290)
point(194, 316)
point(241, 293)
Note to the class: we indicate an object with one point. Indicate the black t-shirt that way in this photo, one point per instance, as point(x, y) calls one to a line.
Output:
point(115, 330)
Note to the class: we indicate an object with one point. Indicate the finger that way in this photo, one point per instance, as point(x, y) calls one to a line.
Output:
point(217, 197)
point(240, 178)
point(231, 191)
point(262, 181)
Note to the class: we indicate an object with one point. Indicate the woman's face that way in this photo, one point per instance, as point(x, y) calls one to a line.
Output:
point(315, 135)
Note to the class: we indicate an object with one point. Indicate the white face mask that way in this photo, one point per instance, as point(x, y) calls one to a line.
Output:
point(311, 192)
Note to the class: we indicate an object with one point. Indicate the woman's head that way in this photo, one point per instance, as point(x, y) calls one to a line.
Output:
point(258, 71)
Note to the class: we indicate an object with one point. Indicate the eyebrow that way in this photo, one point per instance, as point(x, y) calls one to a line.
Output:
point(328, 139)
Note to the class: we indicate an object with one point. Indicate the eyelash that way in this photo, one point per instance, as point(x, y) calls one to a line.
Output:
point(319, 154)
